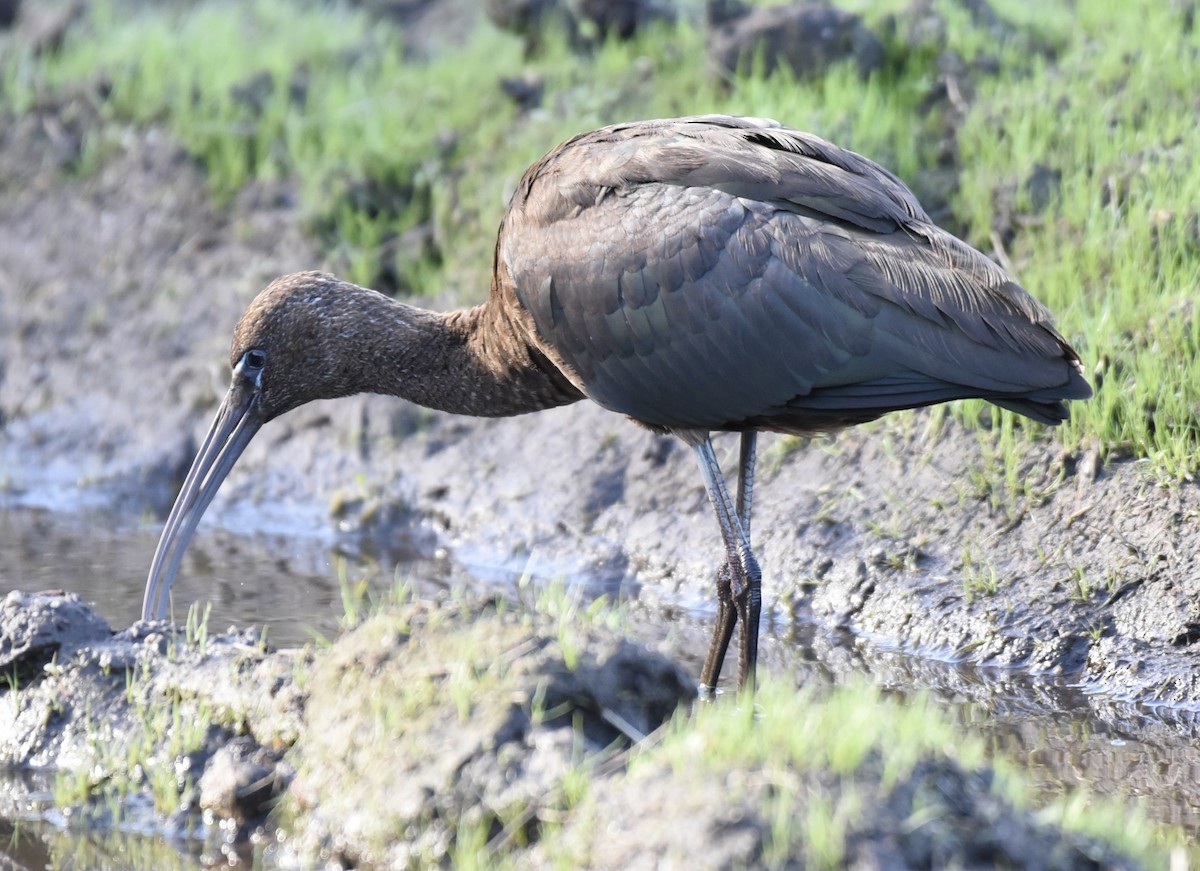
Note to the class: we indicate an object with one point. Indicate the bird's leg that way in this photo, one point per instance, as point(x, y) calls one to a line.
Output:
point(722, 633)
point(727, 614)
point(739, 594)
point(746, 479)
point(749, 605)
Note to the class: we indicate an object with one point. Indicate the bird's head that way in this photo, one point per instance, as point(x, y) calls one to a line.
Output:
point(298, 341)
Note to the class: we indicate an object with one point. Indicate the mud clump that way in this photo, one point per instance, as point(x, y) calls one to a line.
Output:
point(434, 721)
point(136, 713)
point(970, 826)
point(40, 628)
point(446, 714)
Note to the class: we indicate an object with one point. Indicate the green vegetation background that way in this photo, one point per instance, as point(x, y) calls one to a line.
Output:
point(1103, 94)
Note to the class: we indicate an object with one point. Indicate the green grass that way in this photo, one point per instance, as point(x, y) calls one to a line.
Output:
point(980, 578)
point(196, 628)
point(274, 89)
point(820, 763)
point(1116, 254)
point(167, 731)
point(378, 144)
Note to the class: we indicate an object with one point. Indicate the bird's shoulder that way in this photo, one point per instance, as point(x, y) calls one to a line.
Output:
point(755, 159)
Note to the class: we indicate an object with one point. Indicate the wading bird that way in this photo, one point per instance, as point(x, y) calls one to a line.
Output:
point(696, 274)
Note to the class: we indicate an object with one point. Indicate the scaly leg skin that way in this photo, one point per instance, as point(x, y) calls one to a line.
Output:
point(750, 606)
point(739, 580)
point(749, 610)
point(722, 633)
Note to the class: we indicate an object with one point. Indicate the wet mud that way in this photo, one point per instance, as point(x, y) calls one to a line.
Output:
point(425, 723)
point(878, 530)
point(117, 297)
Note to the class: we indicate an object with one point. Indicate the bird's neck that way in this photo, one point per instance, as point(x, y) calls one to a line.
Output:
point(480, 361)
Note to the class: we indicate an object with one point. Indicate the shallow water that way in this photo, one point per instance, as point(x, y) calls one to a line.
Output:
point(1063, 737)
point(290, 583)
point(1059, 735)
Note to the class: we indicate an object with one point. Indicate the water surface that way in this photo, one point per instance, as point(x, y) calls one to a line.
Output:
point(1057, 734)
point(290, 583)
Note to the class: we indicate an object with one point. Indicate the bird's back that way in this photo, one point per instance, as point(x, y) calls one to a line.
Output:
point(724, 273)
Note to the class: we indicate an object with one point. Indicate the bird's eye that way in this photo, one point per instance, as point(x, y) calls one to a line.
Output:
point(253, 360)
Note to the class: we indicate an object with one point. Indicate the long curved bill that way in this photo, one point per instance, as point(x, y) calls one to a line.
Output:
point(237, 420)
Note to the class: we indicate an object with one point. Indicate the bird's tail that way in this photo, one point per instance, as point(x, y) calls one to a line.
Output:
point(1048, 406)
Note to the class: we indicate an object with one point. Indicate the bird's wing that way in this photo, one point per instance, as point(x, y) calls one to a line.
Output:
point(712, 272)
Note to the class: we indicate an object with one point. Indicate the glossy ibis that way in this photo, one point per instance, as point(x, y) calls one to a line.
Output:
point(695, 274)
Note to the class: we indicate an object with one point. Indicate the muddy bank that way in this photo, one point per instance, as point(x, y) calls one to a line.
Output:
point(437, 731)
point(117, 297)
point(118, 291)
